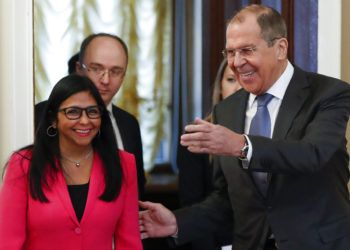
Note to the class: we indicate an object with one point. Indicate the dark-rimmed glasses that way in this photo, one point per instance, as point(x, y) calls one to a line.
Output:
point(100, 71)
point(74, 113)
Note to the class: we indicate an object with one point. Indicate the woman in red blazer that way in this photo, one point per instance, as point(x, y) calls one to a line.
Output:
point(71, 189)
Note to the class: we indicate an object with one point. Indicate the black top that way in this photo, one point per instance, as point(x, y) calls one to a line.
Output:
point(78, 195)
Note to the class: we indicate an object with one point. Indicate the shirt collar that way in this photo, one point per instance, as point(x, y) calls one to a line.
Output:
point(278, 89)
point(109, 108)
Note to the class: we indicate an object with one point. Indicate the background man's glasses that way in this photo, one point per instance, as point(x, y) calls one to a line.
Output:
point(100, 71)
point(74, 113)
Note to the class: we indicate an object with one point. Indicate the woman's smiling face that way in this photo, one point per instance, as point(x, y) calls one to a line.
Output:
point(78, 132)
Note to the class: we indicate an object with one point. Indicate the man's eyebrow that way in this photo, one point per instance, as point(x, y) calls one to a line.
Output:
point(100, 65)
point(95, 64)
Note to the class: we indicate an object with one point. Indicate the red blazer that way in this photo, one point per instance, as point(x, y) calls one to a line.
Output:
point(29, 224)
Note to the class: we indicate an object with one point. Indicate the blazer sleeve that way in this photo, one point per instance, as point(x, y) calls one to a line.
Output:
point(127, 235)
point(13, 204)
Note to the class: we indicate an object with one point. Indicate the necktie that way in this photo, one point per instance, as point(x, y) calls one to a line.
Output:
point(261, 125)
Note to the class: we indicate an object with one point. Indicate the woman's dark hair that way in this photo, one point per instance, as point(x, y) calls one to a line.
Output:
point(46, 151)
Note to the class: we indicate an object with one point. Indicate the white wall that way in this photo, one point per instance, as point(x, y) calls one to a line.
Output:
point(345, 52)
point(345, 41)
point(333, 42)
point(16, 76)
point(329, 37)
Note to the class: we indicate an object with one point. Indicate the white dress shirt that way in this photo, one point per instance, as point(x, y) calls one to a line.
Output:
point(278, 89)
point(115, 127)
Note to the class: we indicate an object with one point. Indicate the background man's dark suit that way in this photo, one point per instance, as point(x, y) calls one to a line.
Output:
point(195, 184)
point(307, 206)
point(130, 133)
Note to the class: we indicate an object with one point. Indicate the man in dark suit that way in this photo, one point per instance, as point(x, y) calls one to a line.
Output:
point(104, 59)
point(285, 186)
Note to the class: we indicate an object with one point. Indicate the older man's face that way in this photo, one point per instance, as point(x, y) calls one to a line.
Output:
point(256, 65)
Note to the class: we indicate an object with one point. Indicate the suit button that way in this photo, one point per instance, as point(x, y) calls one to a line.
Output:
point(77, 230)
point(269, 208)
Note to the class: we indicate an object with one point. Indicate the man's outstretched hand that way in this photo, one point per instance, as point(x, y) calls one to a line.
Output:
point(156, 221)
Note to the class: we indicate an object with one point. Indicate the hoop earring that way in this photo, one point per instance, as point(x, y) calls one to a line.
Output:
point(51, 131)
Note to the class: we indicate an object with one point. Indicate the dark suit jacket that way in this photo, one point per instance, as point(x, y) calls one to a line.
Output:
point(307, 206)
point(130, 133)
point(195, 184)
point(195, 176)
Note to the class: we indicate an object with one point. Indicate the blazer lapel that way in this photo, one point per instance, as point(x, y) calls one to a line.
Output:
point(294, 98)
point(63, 194)
point(95, 187)
point(232, 111)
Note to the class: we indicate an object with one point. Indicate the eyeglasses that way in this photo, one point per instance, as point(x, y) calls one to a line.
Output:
point(245, 52)
point(74, 113)
point(100, 71)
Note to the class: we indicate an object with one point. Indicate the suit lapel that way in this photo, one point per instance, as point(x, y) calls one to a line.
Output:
point(232, 111)
point(63, 194)
point(95, 187)
point(294, 98)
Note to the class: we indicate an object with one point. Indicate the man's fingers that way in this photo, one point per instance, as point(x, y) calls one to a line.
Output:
point(198, 150)
point(191, 138)
point(200, 121)
point(144, 235)
point(143, 204)
point(199, 126)
point(193, 128)
point(147, 205)
point(142, 213)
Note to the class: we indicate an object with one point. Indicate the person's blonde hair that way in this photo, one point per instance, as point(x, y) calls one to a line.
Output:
point(217, 87)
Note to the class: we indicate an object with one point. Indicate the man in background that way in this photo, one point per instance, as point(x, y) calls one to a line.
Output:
point(72, 63)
